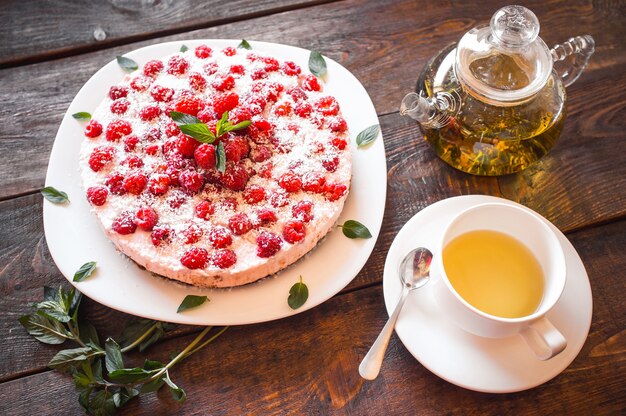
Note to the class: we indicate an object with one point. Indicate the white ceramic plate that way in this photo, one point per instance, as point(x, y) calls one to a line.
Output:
point(481, 364)
point(74, 236)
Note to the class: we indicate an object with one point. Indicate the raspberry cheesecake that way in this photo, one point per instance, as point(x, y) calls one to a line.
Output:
point(227, 211)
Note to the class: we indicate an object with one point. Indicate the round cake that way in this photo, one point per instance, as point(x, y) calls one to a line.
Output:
point(216, 167)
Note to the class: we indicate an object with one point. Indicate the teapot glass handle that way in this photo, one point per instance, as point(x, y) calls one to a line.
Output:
point(574, 55)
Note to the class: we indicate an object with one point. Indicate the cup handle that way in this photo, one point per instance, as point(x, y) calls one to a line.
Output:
point(544, 339)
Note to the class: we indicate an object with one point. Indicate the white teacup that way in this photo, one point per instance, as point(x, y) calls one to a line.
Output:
point(528, 228)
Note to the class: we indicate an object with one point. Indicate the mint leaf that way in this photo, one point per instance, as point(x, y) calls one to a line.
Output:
point(65, 359)
point(54, 195)
point(130, 375)
point(125, 394)
point(127, 64)
point(113, 355)
point(198, 131)
point(191, 301)
point(244, 44)
point(354, 229)
point(44, 329)
point(53, 310)
point(184, 48)
point(88, 334)
point(82, 116)
point(317, 64)
point(177, 393)
point(85, 271)
point(184, 118)
point(298, 294)
point(50, 293)
point(368, 135)
point(220, 157)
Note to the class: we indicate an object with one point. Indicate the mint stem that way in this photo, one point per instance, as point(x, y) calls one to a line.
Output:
point(140, 339)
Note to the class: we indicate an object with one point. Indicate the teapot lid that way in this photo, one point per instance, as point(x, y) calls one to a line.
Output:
point(505, 62)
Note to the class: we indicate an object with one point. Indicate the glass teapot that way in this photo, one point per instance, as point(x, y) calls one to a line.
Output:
point(494, 103)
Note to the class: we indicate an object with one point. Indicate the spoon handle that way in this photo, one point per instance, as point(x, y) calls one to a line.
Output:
point(370, 366)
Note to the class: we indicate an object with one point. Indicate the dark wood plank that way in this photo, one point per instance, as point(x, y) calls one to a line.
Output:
point(34, 34)
point(284, 367)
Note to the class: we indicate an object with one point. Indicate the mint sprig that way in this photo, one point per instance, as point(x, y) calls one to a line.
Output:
point(368, 135)
point(103, 382)
point(54, 195)
point(298, 295)
point(84, 271)
point(82, 115)
point(354, 229)
point(317, 64)
point(244, 44)
point(126, 64)
point(191, 301)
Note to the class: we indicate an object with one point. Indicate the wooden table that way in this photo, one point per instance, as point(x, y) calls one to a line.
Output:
point(307, 364)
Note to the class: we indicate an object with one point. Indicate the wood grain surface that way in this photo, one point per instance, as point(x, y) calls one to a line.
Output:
point(307, 364)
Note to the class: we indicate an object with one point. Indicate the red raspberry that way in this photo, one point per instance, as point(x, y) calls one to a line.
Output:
point(124, 223)
point(220, 237)
point(97, 195)
point(259, 74)
point(337, 124)
point(204, 210)
point(134, 182)
point(229, 51)
point(203, 52)
point(239, 114)
point(161, 234)
point(265, 216)
point(100, 156)
point(210, 68)
point(290, 182)
point(239, 224)
point(152, 149)
point(152, 135)
point(283, 109)
point(302, 211)
point(177, 65)
point(278, 199)
point(318, 147)
point(186, 145)
point(197, 82)
point(223, 258)
point(237, 69)
point(176, 198)
point(119, 106)
point(192, 234)
point(223, 83)
point(191, 181)
point(116, 92)
point(115, 182)
point(195, 258)
point(268, 244)
point(260, 153)
point(205, 156)
point(313, 182)
point(146, 218)
point(303, 109)
point(188, 105)
point(225, 102)
point(236, 149)
point(254, 194)
point(265, 171)
point(229, 203)
point(252, 57)
point(297, 94)
point(235, 177)
point(93, 129)
point(132, 162)
point(256, 104)
point(328, 106)
point(339, 143)
point(117, 129)
point(294, 231)
point(130, 143)
point(334, 191)
point(331, 164)
point(269, 90)
point(158, 183)
point(171, 129)
point(271, 64)
point(169, 148)
point(140, 83)
point(290, 68)
point(149, 112)
point(152, 68)
point(161, 94)
point(207, 116)
point(310, 83)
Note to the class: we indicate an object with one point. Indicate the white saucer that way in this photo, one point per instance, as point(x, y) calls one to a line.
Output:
point(482, 364)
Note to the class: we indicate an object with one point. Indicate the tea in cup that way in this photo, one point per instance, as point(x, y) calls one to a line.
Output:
point(498, 271)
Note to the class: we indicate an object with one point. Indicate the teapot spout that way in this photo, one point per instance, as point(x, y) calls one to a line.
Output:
point(431, 112)
point(417, 107)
